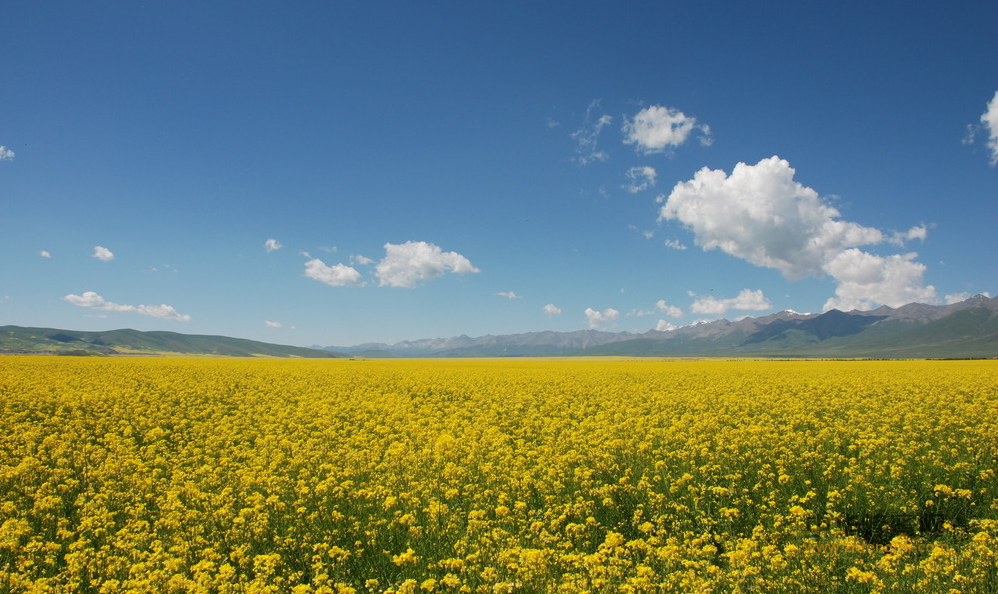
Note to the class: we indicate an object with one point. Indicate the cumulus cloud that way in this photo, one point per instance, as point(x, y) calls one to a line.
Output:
point(271, 245)
point(747, 300)
point(762, 215)
point(552, 310)
point(6, 154)
point(45, 254)
point(360, 260)
point(92, 300)
point(866, 280)
point(103, 254)
point(990, 121)
point(640, 178)
point(337, 275)
point(408, 263)
point(598, 318)
point(508, 295)
point(587, 136)
point(657, 129)
point(664, 326)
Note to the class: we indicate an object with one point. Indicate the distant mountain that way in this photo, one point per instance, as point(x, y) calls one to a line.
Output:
point(916, 330)
point(16, 339)
point(968, 329)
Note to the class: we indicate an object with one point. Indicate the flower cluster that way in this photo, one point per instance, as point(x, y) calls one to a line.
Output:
point(419, 476)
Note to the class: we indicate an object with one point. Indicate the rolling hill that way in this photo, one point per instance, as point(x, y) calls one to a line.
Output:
point(17, 339)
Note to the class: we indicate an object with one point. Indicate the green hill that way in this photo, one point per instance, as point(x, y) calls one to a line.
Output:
point(17, 339)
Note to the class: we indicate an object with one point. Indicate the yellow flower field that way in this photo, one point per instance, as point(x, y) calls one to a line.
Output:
point(220, 475)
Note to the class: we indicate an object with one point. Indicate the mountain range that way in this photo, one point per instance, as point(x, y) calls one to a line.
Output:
point(968, 329)
point(916, 330)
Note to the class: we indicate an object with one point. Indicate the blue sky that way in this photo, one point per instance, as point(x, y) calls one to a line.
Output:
point(339, 173)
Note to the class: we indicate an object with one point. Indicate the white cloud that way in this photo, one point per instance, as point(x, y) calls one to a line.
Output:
point(661, 307)
point(747, 300)
point(761, 215)
point(586, 137)
point(508, 295)
point(360, 260)
point(598, 318)
point(551, 310)
point(867, 280)
point(919, 232)
point(640, 178)
point(92, 300)
point(669, 310)
point(958, 297)
point(675, 244)
point(270, 324)
point(664, 326)
point(45, 254)
point(657, 129)
point(337, 275)
point(271, 245)
point(103, 254)
point(990, 121)
point(407, 263)
point(6, 154)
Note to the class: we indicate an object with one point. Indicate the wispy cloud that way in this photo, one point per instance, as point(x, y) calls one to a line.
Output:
point(586, 137)
point(508, 295)
point(270, 324)
point(92, 300)
point(406, 264)
point(103, 254)
point(272, 245)
point(659, 129)
point(640, 178)
point(760, 214)
point(6, 154)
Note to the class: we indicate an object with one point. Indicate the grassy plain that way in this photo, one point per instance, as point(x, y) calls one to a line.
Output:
point(514, 475)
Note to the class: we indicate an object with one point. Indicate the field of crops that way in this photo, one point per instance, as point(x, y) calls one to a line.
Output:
point(209, 475)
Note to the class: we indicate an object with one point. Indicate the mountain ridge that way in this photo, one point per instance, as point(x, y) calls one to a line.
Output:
point(911, 330)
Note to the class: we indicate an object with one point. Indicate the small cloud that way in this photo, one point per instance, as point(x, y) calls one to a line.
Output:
point(92, 300)
point(661, 307)
point(408, 263)
point(360, 260)
point(675, 244)
point(103, 254)
point(270, 324)
point(658, 129)
point(551, 310)
point(272, 245)
point(337, 275)
point(598, 318)
point(664, 326)
point(640, 178)
point(6, 154)
point(45, 254)
point(747, 300)
point(919, 232)
point(508, 295)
